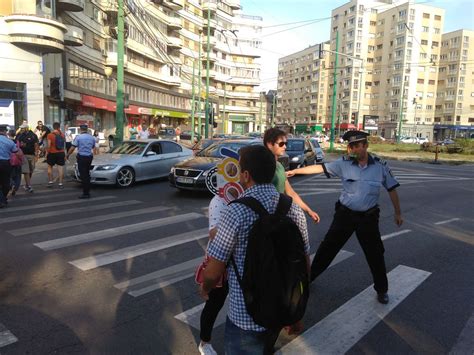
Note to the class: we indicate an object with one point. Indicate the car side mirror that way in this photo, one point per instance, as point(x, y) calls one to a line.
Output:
point(150, 153)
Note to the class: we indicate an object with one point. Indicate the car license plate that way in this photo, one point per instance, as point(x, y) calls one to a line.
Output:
point(184, 180)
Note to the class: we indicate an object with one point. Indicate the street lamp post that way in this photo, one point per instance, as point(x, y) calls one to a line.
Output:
point(208, 110)
point(119, 114)
point(334, 92)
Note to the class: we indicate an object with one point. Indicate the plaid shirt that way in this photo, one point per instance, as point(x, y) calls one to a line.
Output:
point(231, 239)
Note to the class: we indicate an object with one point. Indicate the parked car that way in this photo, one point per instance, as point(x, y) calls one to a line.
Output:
point(412, 140)
point(317, 149)
point(446, 141)
point(191, 174)
point(76, 130)
point(301, 152)
point(136, 160)
point(422, 140)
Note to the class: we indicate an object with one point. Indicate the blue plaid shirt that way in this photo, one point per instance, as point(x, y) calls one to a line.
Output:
point(231, 239)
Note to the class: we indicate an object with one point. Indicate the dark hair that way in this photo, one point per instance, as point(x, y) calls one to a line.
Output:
point(56, 125)
point(271, 135)
point(259, 162)
point(12, 133)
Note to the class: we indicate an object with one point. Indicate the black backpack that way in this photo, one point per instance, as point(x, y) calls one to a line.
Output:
point(275, 281)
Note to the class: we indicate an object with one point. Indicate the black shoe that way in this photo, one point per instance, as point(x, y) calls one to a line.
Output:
point(84, 196)
point(382, 297)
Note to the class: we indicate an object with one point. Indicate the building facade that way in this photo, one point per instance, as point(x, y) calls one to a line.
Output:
point(454, 111)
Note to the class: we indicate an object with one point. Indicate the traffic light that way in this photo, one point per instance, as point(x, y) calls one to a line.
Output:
point(126, 100)
point(214, 123)
point(55, 88)
point(321, 52)
point(353, 117)
point(210, 114)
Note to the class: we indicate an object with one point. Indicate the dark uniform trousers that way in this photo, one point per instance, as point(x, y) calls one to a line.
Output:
point(366, 226)
point(5, 170)
point(84, 165)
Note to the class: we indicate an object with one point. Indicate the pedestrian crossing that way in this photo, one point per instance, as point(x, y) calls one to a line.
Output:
point(24, 220)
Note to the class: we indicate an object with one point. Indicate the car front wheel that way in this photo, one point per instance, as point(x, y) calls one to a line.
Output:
point(125, 177)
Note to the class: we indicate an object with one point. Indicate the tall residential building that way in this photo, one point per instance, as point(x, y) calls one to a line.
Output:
point(69, 51)
point(266, 108)
point(302, 89)
point(454, 112)
point(398, 44)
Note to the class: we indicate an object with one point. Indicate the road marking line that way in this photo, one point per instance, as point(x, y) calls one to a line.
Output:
point(84, 221)
point(391, 235)
point(93, 262)
point(447, 221)
point(68, 211)
point(53, 204)
point(32, 196)
point(465, 342)
point(159, 279)
point(323, 191)
point(6, 337)
point(28, 195)
point(192, 316)
point(344, 327)
point(114, 232)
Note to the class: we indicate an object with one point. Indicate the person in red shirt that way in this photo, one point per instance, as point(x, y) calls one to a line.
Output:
point(56, 155)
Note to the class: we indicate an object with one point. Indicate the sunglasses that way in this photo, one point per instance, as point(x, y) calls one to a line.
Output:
point(281, 144)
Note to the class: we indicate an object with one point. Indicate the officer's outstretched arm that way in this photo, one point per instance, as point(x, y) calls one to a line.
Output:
point(307, 170)
point(396, 206)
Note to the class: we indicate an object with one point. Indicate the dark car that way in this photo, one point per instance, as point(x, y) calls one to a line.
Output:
point(301, 152)
point(192, 173)
point(317, 149)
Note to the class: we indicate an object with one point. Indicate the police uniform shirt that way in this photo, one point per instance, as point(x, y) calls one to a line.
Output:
point(84, 143)
point(361, 185)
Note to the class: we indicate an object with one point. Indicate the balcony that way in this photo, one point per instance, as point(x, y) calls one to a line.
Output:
point(111, 59)
point(173, 4)
point(161, 76)
point(212, 25)
point(209, 5)
point(74, 36)
point(36, 33)
point(174, 43)
point(234, 4)
point(174, 23)
point(212, 73)
point(212, 57)
point(212, 42)
point(70, 5)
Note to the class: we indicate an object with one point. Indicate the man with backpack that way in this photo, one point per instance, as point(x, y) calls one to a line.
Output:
point(55, 154)
point(29, 144)
point(263, 237)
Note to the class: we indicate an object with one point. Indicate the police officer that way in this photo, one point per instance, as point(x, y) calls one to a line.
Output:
point(7, 147)
point(357, 208)
point(85, 144)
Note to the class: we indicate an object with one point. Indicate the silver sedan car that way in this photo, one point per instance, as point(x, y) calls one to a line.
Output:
point(136, 160)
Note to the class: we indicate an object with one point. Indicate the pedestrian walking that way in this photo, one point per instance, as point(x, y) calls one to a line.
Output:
point(275, 140)
point(16, 161)
point(29, 144)
point(43, 141)
point(7, 148)
point(68, 136)
point(144, 133)
point(55, 154)
point(357, 209)
point(84, 143)
point(234, 243)
point(96, 145)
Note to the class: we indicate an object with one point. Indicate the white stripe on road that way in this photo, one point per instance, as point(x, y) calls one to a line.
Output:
point(159, 279)
point(115, 232)
point(93, 262)
point(192, 316)
point(68, 211)
point(6, 337)
point(27, 195)
point(447, 221)
point(84, 221)
point(344, 327)
point(465, 342)
point(54, 204)
point(323, 191)
point(391, 235)
point(33, 196)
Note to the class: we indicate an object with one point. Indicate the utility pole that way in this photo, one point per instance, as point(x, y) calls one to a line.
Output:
point(273, 109)
point(361, 72)
point(399, 133)
point(334, 91)
point(208, 110)
point(199, 88)
point(261, 107)
point(224, 125)
point(119, 114)
point(193, 103)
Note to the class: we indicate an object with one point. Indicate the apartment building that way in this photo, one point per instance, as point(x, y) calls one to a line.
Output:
point(266, 107)
point(395, 79)
point(73, 46)
point(302, 89)
point(454, 111)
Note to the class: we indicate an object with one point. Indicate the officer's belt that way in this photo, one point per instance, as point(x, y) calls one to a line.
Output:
point(340, 206)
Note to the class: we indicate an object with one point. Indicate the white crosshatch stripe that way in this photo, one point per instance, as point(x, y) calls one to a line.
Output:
point(344, 327)
point(53, 204)
point(6, 337)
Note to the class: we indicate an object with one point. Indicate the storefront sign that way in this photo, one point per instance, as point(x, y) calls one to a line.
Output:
point(102, 104)
point(241, 118)
point(169, 113)
point(370, 123)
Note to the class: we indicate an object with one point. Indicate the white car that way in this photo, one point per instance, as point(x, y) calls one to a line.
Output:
point(412, 140)
point(76, 130)
point(422, 140)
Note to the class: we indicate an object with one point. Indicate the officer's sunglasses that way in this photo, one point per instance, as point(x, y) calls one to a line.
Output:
point(281, 144)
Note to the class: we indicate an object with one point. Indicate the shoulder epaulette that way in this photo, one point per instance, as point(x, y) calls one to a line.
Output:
point(380, 160)
point(346, 157)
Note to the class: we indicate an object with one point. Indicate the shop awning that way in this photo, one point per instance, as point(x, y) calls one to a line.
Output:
point(103, 104)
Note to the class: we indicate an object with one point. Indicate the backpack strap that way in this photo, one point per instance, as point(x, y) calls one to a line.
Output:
point(284, 205)
point(253, 204)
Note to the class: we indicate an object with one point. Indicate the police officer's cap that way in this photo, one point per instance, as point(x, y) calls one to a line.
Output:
point(3, 127)
point(355, 136)
point(84, 127)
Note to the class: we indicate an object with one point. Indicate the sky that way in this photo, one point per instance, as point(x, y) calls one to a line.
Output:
point(459, 14)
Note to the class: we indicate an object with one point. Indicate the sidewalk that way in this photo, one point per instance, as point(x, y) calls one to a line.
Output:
point(40, 175)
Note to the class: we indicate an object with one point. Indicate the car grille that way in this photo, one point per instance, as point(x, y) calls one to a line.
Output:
point(187, 172)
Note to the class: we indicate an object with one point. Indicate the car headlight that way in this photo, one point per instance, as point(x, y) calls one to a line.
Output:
point(295, 159)
point(172, 170)
point(106, 167)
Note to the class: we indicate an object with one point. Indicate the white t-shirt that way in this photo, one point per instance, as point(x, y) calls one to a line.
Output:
point(144, 134)
point(217, 207)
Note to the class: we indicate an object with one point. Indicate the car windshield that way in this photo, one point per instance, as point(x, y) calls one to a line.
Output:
point(315, 143)
point(214, 149)
point(294, 145)
point(133, 148)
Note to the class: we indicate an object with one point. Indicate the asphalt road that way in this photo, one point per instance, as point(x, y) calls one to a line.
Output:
point(114, 274)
